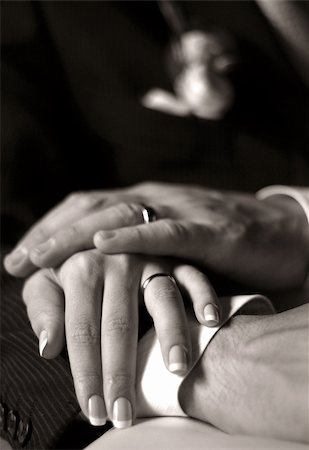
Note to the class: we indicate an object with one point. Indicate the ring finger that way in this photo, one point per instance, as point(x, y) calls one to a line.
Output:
point(164, 303)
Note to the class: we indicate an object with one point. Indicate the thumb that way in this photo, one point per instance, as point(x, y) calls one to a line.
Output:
point(165, 237)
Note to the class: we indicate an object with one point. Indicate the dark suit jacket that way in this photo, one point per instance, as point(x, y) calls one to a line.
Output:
point(72, 79)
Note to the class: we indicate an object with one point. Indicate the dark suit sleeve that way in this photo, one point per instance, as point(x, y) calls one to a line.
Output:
point(37, 396)
point(38, 401)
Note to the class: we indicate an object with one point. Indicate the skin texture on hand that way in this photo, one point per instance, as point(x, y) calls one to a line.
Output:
point(253, 377)
point(92, 300)
point(261, 243)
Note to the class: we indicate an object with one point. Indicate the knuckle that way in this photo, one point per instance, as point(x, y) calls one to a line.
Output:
point(72, 232)
point(87, 378)
point(140, 187)
point(85, 200)
point(114, 380)
point(191, 273)
point(85, 333)
point(177, 333)
point(147, 186)
point(118, 326)
point(122, 262)
point(84, 264)
point(175, 230)
point(40, 234)
point(93, 202)
point(129, 213)
point(74, 197)
point(141, 236)
point(162, 294)
point(167, 292)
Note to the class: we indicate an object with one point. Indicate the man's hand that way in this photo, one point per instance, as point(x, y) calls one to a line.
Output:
point(264, 244)
point(69, 228)
point(253, 377)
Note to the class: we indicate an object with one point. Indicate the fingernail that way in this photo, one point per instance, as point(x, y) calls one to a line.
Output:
point(177, 360)
point(43, 340)
point(122, 413)
point(43, 248)
point(211, 315)
point(96, 411)
point(17, 256)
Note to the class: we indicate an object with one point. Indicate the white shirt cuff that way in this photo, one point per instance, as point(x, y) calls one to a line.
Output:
point(299, 194)
point(157, 388)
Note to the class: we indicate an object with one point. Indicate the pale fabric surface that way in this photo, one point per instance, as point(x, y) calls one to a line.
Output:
point(180, 433)
point(183, 433)
point(157, 388)
point(299, 194)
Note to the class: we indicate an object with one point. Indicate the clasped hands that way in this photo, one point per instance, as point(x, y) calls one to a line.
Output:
point(90, 296)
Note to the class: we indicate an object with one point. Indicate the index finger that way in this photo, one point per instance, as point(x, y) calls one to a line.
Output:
point(72, 208)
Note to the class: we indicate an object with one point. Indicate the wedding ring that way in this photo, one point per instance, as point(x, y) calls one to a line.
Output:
point(155, 275)
point(148, 214)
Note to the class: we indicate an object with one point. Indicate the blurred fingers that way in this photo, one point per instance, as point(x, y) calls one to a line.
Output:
point(71, 209)
point(79, 235)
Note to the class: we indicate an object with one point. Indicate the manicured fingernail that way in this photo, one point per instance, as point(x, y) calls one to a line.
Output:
point(122, 413)
point(43, 340)
point(177, 360)
point(211, 315)
point(17, 256)
point(43, 248)
point(96, 411)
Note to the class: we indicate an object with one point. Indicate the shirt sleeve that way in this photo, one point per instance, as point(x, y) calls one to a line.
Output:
point(299, 194)
point(157, 388)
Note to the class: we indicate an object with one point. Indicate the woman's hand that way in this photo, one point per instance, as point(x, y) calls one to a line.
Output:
point(92, 301)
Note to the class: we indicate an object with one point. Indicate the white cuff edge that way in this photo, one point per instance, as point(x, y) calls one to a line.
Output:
point(299, 194)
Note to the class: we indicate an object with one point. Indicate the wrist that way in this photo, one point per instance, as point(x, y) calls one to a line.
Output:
point(212, 388)
point(246, 382)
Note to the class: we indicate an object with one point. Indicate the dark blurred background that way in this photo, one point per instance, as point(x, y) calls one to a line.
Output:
point(73, 74)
